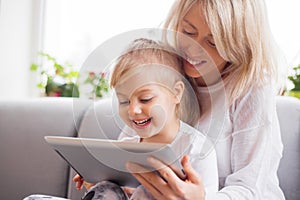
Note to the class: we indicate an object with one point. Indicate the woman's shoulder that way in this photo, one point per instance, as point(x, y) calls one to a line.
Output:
point(256, 108)
point(256, 97)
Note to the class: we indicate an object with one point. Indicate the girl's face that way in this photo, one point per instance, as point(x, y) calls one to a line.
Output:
point(149, 110)
point(198, 47)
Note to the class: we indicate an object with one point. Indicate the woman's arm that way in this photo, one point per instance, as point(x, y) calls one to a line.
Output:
point(256, 148)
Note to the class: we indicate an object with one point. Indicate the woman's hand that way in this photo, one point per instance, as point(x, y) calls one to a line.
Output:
point(170, 186)
point(80, 183)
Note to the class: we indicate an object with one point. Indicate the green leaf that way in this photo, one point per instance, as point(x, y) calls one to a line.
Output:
point(40, 86)
point(74, 74)
point(50, 58)
point(59, 67)
point(69, 90)
point(34, 67)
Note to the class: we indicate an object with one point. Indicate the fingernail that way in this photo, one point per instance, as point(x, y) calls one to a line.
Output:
point(150, 159)
point(129, 166)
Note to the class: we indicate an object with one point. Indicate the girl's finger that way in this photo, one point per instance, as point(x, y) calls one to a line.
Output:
point(87, 185)
point(79, 185)
point(128, 190)
point(77, 177)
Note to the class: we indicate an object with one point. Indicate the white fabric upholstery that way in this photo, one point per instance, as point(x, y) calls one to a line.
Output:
point(288, 110)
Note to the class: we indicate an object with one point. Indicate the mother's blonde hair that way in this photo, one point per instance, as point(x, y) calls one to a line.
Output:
point(242, 36)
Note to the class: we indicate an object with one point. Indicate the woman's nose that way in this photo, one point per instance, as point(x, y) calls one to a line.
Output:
point(191, 47)
point(134, 108)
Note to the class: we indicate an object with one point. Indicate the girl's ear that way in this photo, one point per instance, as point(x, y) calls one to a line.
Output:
point(178, 91)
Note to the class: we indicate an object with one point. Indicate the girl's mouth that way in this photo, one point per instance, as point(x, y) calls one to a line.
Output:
point(143, 122)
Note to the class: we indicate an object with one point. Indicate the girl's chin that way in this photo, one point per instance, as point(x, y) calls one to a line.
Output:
point(146, 136)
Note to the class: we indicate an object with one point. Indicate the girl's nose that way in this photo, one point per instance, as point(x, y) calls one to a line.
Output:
point(134, 108)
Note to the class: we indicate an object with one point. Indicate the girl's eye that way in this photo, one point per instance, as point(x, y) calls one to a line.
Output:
point(123, 102)
point(146, 100)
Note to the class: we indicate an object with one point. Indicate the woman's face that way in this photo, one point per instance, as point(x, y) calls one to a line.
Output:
point(198, 47)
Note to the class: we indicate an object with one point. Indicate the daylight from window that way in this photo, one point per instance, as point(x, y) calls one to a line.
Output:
point(73, 29)
point(284, 20)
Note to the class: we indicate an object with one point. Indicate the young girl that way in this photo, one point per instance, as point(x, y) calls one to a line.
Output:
point(229, 52)
point(151, 92)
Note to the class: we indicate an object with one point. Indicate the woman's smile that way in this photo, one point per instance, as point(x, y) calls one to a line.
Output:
point(196, 63)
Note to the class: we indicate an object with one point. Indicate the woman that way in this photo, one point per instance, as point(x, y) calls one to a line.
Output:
point(237, 99)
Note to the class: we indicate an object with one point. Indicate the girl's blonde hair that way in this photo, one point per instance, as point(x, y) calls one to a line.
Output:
point(142, 52)
point(243, 38)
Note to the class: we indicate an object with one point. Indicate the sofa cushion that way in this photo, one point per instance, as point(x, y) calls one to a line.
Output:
point(288, 109)
point(101, 121)
point(28, 164)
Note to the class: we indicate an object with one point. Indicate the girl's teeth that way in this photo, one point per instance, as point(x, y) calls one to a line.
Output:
point(141, 122)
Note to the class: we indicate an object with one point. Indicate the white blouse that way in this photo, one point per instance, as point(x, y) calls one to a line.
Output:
point(247, 140)
point(188, 141)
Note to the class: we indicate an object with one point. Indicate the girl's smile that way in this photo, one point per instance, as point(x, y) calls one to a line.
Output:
point(142, 124)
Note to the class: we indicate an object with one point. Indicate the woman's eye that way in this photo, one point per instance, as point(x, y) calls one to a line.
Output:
point(212, 44)
point(191, 33)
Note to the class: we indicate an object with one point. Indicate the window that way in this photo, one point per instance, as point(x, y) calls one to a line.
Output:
point(73, 29)
point(284, 19)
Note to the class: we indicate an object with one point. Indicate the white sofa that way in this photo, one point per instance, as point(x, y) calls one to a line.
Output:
point(30, 166)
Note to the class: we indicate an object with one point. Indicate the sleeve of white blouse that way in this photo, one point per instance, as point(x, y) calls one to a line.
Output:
point(206, 166)
point(126, 133)
point(256, 149)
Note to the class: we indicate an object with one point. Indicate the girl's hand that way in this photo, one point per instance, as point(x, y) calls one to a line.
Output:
point(80, 183)
point(170, 186)
point(128, 190)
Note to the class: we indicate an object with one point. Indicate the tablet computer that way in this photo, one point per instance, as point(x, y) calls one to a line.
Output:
point(100, 159)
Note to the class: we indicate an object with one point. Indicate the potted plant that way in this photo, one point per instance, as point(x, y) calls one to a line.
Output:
point(295, 78)
point(98, 84)
point(62, 80)
point(56, 79)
